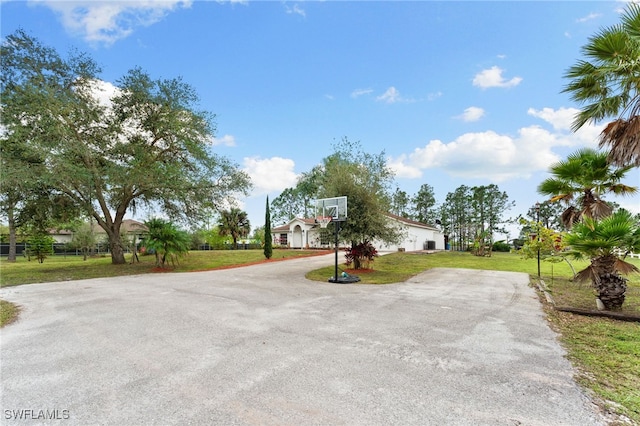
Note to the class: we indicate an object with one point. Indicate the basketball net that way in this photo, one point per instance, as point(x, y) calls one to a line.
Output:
point(323, 221)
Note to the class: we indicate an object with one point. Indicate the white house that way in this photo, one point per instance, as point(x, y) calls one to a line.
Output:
point(306, 233)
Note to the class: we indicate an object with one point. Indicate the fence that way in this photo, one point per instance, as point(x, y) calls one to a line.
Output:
point(61, 249)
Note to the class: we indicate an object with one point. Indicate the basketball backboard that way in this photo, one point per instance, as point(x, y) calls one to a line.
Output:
point(335, 207)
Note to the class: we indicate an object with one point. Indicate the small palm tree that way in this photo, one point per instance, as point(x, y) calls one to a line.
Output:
point(607, 84)
point(167, 241)
point(580, 181)
point(234, 223)
point(602, 242)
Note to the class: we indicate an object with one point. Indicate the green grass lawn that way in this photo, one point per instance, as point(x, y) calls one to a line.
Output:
point(67, 268)
point(606, 352)
point(8, 312)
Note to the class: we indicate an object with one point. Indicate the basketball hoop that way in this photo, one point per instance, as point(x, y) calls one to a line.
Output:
point(323, 221)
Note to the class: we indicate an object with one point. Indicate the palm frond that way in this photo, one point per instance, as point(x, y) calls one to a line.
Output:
point(623, 138)
point(631, 20)
point(598, 209)
point(588, 274)
point(625, 268)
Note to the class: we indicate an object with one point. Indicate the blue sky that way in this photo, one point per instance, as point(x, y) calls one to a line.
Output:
point(453, 92)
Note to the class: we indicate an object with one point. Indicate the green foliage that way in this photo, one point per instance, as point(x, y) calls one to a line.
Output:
point(149, 146)
point(471, 212)
point(167, 241)
point(612, 236)
point(84, 239)
point(40, 246)
point(607, 85)
point(547, 242)
point(268, 238)
point(501, 246)
point(602, 242)
point(365, 180)
point(234, 223)
point(424, 205)
point(257, 236)
point(548, 213)
point(297, 201)
point(214, 238)
point(581, 181)
point(400, 204)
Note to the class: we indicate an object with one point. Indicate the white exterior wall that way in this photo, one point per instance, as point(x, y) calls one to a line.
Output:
point(415, 238)
point(302, 234)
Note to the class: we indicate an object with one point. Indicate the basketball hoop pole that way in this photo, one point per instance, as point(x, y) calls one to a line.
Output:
point(334, 210)
point(335, 274)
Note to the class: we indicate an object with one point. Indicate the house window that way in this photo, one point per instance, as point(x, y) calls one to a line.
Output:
point(283, 239)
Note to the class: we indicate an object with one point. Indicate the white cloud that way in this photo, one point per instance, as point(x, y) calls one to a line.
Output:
point(108, 21)
point(492, 77)
point(497, 157)
point(589, 17)
point(485, 155)
point(561, 120)
point(392, 95)
point(226, 140)
point(103, 92)
point(359, 92)
point(433, 96)
point(471, 114)
point(403, 168)
point(270, 174)
point(296, 10)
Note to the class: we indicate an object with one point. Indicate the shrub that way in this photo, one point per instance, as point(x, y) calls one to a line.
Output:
point(501, 246)
point(40, 246)
point(361, 255)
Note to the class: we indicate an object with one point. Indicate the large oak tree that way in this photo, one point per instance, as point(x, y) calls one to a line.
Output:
point(111, 149)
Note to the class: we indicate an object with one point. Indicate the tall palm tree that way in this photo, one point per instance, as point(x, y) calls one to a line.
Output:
point(602, 242)
point(580, 181)
point(234, 223)
point(608, 85)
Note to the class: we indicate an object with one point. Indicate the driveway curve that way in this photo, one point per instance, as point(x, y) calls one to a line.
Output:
point(261, 345)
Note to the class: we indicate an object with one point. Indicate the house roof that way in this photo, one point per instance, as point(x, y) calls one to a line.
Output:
point(411, 221)
point(287, 225)
point(312, 221)
point(129, 226)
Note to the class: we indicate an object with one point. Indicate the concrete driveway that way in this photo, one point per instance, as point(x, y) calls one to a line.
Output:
point(261, 345)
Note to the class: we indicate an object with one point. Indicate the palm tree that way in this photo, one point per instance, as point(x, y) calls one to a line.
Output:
point(167, 241)
point(602, 242)
point(580, 181)
point(608, 85)
point(234, 223)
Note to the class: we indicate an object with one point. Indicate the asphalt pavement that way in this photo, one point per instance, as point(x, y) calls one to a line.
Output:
point(261, 345)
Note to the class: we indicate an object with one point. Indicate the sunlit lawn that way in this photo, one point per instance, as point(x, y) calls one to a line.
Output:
point(66, 268)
